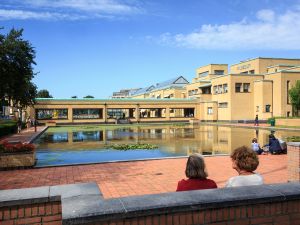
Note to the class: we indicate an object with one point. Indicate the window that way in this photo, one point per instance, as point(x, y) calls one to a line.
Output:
point(219, 72)
point(287, 92)
point(220, 90)
point(209, 110)
point(184, 112)
point(225, 88)
point(120, 113)
point(252, 71)
point(223, 105)
point(153, 113)
point(215, 90)
point(246, 87)
point(87, 113)
point(51, 114)
point(204, 74)
point(257, 108)
point(268, 108)
point(238, 87)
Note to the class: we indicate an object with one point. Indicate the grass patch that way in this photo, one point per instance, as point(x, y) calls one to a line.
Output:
point(125, 147)
point(7, 127)
point(293, 139)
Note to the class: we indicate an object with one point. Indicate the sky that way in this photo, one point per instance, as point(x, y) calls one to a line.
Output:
point(96, 47)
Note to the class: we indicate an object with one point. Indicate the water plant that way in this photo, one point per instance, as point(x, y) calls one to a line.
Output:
point(125, 147)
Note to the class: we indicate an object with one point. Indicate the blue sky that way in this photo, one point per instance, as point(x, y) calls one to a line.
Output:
point(96, 47)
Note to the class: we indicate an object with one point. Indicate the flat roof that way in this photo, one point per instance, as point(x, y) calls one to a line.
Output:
point(247, 60)
point(113, 99)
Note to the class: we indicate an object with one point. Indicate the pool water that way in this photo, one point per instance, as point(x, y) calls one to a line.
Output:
point(90, 144)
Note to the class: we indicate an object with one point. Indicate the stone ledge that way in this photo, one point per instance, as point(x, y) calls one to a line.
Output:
point(84, 203)
point(296, 144)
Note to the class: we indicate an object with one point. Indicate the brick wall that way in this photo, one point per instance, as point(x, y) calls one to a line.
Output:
point(43, 213)
point(282, 213)
point(293, 154)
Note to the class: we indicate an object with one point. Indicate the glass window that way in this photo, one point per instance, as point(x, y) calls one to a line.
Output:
point(252, 71)
point(268, 108)
point(51, 114)
point(153, 113)
point(225, 88)
point(223, 104)
point(120, 113)
point(206, 90)
point(204, 74)
point(287, 92)
point(184, 112)
point(219, 72)
point(209, 110)
point(87, 114)
point(238, 87)
point(220, 89)
point(246, 87)
point(215, 90)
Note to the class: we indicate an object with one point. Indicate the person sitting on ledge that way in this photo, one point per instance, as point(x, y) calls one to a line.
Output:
point(197, 174)
point(245, 162)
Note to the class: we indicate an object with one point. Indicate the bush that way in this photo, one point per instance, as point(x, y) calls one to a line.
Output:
point(6, 147)
point(9, 127)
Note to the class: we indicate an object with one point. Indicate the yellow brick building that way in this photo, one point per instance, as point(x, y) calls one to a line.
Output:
point(253, 87)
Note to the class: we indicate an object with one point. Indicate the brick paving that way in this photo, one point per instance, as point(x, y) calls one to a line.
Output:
point(26, 135)
point(139, 177)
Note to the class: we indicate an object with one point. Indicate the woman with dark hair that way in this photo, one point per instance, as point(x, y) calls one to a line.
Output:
point(245, 162)
point(197, 175)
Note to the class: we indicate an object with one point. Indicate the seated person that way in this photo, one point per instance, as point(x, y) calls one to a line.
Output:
point(197, 174)
point(256, 147)
point(274, 145)
point(245, 162)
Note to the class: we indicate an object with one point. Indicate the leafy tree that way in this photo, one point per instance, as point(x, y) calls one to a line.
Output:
point(74, 96)
point(16, 71)
point(294, 93)
point(89, 96)
point(43, 94)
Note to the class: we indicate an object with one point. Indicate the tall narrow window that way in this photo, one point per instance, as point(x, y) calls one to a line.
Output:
point(238, 87)
point(225, 88)
point(246, 87)
point(287, 92)
point(268, 108)
point(209, 110)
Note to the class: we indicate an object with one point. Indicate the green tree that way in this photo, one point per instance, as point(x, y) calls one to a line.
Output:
point(294, 93)
point(74, 96)
point(89, 96)
point(43, 94)
point(16, 70)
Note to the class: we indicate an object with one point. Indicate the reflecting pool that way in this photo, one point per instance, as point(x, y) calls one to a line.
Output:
point(89, 144)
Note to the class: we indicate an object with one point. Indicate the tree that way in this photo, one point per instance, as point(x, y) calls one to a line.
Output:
point(43, 94)
point(294, 93)
point(16, 70)
point(89, 96)
point(74, 96)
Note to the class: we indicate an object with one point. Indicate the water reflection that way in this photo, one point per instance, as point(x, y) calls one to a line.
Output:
point(172, 141)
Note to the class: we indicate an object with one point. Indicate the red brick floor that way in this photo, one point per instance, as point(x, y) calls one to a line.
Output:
point(139, 177)
point(26, 135)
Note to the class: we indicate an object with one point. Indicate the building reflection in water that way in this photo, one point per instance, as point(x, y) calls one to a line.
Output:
point(179, 140)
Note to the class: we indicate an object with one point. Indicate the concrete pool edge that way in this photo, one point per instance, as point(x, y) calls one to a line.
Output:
point(124, 161)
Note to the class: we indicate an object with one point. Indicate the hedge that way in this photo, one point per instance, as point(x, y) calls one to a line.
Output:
point(7, 128)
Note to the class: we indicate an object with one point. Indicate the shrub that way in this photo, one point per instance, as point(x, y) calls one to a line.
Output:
point(19, 147)
point(7, 128)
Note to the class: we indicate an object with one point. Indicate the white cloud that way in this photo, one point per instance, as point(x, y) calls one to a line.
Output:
point(66, 9)
point(268, 31)
point(23, 15)
point(101, 6)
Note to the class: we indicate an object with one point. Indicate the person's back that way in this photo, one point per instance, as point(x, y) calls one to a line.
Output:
point(197, 175)
point(274, 146)
point(249, 180)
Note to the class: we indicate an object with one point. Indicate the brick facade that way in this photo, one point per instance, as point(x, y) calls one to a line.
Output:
point(42, 213)
point(293, 162)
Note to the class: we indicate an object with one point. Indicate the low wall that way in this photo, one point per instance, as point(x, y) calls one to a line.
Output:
point(288, 122)
point(84, 204)
point(17, 160)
